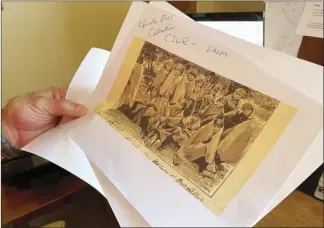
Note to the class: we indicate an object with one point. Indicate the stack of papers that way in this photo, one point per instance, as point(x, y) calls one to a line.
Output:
point(311, 22)
point(280, 24)
point(189, 126)
point(287, 22)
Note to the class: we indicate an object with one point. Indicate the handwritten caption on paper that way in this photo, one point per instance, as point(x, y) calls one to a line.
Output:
point(157, 28)
point(180, 181)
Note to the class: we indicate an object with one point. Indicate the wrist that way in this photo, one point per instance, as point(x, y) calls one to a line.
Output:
point(7, 131)
point(7, 152)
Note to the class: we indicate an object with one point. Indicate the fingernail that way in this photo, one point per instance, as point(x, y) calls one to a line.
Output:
point(81, 110)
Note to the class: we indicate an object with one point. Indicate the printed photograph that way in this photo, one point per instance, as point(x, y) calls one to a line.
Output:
point(197, 121)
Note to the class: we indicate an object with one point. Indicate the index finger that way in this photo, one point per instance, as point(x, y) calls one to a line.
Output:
point(54, 92)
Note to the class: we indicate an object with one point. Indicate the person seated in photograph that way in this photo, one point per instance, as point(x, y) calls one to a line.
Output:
point(141, 101)
point(158, 114)
point(238, 133)
point(195, 99)
point(174, 78)
point(243, 115)
point(202, 144)
point(172, 121)
point(213, 105)
point(149, 110)
point(214, 94)
point(185, 86)
point(163, 73)
point(128, 96)
point(211, 112)
point(180, 133)
point(176, 113)
point(234, 101)
point(209, 96)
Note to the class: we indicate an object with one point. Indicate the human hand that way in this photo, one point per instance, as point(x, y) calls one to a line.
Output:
point(26, 117)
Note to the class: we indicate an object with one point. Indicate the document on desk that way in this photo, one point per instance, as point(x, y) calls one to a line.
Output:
point(311, 22)
point(280, 24)
point(191, 130)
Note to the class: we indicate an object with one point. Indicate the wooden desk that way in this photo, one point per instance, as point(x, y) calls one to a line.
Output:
point(297, 209)
point(311, 49)
point(20, 206)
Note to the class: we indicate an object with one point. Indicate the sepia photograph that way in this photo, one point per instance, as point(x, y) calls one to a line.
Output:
point(199, 122)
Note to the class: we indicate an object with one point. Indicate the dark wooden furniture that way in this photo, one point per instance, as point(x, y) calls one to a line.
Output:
point(311, 49)
point(297, 210)
point(218, 6)
point(18, 207)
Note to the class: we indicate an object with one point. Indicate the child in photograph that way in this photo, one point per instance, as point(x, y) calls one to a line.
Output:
point(173, 80)
point(241, 116)
point(128, 97)
point(148, 111)
point(238, 130)
point(185, 87)
point(195, 98)
point(233, 102)
point(158, 113)
point(163, 73)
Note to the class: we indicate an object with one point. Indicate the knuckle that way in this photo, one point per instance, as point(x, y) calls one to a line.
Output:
point(39, 102)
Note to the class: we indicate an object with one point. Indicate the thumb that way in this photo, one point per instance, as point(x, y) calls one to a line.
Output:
point(62, 107)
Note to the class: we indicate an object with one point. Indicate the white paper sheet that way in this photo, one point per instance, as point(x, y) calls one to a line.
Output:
point(281, 20)
point(251, 31)
point(311, 22)
point(274, 60)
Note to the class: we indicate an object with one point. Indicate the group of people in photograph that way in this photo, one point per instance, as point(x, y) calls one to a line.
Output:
point(180, 107)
